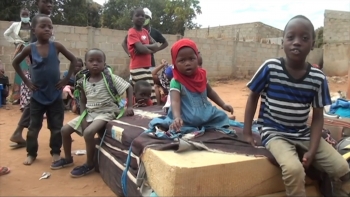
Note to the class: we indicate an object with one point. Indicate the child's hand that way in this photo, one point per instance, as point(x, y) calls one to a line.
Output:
point(228, 108)
point(129, 111)
point(307, 159)
point(30, 85)
point(176, 125)
point(164, 62)
point(250, 140)
point(62, 83)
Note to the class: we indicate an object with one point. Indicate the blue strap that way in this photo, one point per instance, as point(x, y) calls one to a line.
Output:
point(124, 179)
point(98, 152)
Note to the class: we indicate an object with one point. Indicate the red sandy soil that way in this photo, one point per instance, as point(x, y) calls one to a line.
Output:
point(24, 180)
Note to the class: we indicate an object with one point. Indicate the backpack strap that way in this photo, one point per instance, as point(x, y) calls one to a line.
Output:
point(81, 84)
point(107, 77)
point(111, 86)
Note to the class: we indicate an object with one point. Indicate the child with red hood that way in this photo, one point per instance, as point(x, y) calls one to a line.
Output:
point(190, 109)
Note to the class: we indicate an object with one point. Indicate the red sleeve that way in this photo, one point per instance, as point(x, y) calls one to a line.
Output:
point(149, 102)
point(133, 37)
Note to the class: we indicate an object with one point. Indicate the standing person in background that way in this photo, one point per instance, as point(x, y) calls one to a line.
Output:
point(44, 7)
point(140, 48)
point(67, 94)
point(155, 35)
point(162, 76)
point(4, 81)
point(19, 34)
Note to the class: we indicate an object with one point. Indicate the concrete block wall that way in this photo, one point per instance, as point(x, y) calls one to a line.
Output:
point(336, 59)
point(336, 35)
point(228, 58)
point(221, 57)
point(78, 40)
point(249, 32)
point(336, 26)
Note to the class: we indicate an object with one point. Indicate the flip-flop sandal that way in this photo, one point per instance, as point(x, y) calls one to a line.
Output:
point(18, 145)
point(4, 170)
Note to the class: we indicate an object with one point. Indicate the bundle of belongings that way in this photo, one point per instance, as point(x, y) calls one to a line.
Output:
point(133, 162)
point(340, 106)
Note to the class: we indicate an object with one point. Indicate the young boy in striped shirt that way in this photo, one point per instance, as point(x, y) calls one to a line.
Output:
point(288, 87)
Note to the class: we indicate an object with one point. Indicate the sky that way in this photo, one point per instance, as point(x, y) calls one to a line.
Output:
point(275, 13)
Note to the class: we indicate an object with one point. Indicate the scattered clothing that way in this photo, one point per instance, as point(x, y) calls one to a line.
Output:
point(233, 123)
point(341, 107)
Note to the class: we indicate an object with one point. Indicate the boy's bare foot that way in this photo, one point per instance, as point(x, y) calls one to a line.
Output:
point(29, 160)
point(55, 157)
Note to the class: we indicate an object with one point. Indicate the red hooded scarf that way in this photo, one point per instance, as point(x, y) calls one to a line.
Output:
point(198, 81)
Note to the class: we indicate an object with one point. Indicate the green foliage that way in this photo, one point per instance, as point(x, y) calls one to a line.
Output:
point(319, 37)
point(169, 16)
point(65, 12)
point(9, 10)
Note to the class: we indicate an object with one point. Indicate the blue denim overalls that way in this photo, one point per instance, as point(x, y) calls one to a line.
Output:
point(197, 113)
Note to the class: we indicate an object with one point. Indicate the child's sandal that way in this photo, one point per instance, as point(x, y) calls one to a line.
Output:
point(80, 171)
point(62, 163)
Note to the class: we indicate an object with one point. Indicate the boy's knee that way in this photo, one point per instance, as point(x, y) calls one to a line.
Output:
point(343, 171)
point(33, 133)
point(66, 131)
point(89, 133)
point(35, 122)
point(294, 171)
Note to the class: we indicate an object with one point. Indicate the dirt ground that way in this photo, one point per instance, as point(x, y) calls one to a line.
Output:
point(24, 180)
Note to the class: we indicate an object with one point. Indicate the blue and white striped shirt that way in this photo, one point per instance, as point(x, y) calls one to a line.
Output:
point(285, 101)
